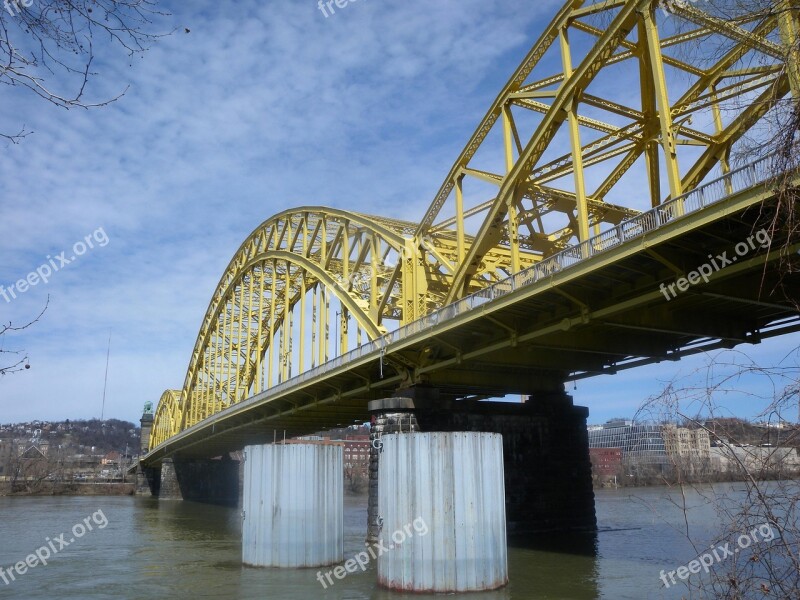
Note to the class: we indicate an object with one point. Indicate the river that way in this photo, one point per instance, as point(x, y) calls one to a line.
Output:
point(140, 548)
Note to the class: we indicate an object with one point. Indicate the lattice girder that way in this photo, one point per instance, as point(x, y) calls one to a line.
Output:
point(553, 178)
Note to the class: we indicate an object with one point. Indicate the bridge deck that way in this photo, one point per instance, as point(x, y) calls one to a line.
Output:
point(591, 309)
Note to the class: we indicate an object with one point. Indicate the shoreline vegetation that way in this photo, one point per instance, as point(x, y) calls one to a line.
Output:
point(670, 481)
point(69, 489)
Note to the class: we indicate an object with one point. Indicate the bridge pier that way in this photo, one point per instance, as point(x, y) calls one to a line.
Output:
point(547, 470)
point(213, 481)
point(389, 415)
point(293, 505)
point(148, 481)
point(168, 486)
point(451, 486)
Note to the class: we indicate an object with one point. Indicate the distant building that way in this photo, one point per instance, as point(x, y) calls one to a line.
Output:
point(654, 445)
point(617, 422)
point(642, 443)
point(356, 456)
point(691, 444)
point(312, 439)
point(606, 463)
point(774, 424)
point(110, 459)
point(776, 462)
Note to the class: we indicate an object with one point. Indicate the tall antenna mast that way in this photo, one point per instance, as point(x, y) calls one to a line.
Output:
point(105, 381)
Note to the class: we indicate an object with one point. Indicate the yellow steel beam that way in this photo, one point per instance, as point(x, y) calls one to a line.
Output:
point(531, 60)
point(757, 109)
point(632, 50)
point(569, 92)
point(460, 218)
point(575, 143)
point(729, 29)
point(656, 65)
point(270, 349)
point(789, 25)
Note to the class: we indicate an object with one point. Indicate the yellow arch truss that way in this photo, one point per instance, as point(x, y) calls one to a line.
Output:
point(610, 113)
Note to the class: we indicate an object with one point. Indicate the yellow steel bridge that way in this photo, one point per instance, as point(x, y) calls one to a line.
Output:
point(603, 172)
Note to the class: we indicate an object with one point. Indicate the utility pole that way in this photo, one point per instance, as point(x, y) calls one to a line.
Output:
point(105, 380)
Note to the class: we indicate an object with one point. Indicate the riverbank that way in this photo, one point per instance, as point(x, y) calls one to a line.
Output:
point(672, 479)
point(68, 489)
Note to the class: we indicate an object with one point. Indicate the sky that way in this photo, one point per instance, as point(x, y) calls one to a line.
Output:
point(258, 107)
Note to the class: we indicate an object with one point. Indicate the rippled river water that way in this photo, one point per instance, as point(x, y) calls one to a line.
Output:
point(140, 548)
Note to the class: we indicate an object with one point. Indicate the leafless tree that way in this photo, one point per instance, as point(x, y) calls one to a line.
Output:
point(32, 470)
point(768, 495)
point(49, 43)
point(18, 358)
point(355, 479)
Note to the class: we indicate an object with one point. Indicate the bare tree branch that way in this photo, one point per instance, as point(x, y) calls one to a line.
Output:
point(767, 497)
point(20, 357)
point(44, 39)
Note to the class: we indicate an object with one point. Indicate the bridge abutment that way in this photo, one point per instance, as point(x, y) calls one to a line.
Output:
point(168, 486)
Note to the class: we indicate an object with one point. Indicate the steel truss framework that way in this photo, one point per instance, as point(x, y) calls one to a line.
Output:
point(271, 312)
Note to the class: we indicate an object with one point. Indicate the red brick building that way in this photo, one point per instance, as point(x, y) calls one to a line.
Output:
point(356, 454)
point(606, 463)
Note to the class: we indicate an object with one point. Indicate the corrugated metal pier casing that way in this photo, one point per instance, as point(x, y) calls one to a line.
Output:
point(293, 505)
point(442, 505)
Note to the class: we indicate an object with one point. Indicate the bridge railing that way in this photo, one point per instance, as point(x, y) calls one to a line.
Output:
point(709, 193)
